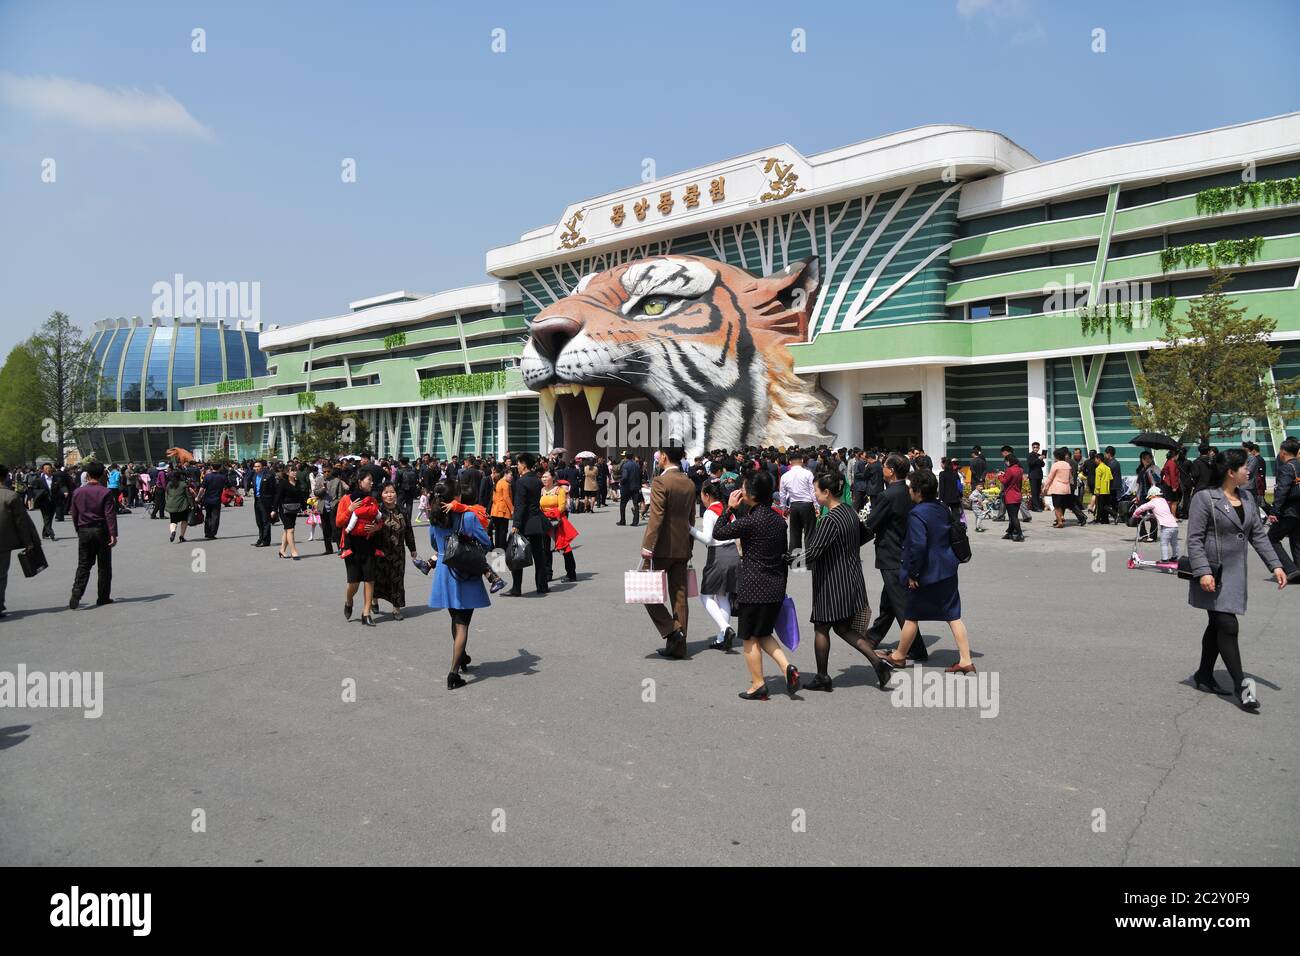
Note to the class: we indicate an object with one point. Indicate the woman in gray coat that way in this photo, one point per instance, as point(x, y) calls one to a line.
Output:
point(1220, 524)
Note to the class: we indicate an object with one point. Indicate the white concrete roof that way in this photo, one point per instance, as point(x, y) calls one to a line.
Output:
point(469, 299)
point(1172, 157)
point(401, 295)
point(899, 159)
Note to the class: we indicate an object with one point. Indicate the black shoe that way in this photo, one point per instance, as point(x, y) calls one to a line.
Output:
point(1019, 539)
point(454, 680)
point(820, 682)
point(760, 694)
point(513, 593)
point(73, 602)
point(105, 601)
point(884, 671)
point(367, 620)
point(347, 612)
point(465, 660)
point(675, 648)
point(397, 612)
point(791, 680)
point(1007, 536)
point(1209, 686)
point(172, 537)
point(1082, 521)
point(571, 577)
point(620, 523)
point(1248, 701)
point(729, 641)
point(917, 652)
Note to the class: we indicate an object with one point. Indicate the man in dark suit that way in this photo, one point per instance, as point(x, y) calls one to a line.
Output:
point(887, 524)
point(629, 489)
point(1286, 508)
point(17, 533)
point(667, 545)
point(1034, 468)
point(45, 493)
point(262, 490)
point(529, 521)
point(214, 483)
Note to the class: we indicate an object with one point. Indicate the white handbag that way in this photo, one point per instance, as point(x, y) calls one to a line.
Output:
point(645, 587)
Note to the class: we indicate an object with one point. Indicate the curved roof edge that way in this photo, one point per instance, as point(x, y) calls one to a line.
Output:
point(448, 302)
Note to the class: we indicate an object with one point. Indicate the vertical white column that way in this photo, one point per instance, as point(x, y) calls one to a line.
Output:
point(503, 427)
point(1037, 403)
point(846, 420)
point(934, 412)
point(545, 434)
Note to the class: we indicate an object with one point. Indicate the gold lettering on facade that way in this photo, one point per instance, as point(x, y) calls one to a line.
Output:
point(570, 238)
point(692, 196)
point(616, 217)
point(784, 180)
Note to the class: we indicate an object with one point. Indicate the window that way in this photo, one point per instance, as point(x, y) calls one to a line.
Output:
point(236, 363)
point(112, 364)
point(988, 309)
point(257, 357)
point(183, 366)
point(155, 381)
point(211, 368)
point(133, 369)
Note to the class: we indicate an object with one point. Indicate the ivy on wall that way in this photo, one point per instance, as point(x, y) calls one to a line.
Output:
point(1162, 309)
point(235, 385)
point(1270, 192)
point(306, 399)
point(472, 383)
point(1212, 254)
point(1103, 317)
point(394, 341)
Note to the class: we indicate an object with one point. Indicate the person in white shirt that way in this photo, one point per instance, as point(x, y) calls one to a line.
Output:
point(718, 582)
point(796, 493)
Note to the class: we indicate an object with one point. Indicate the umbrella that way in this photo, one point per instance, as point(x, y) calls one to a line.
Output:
point(584, 454)
point(1156, 440)
point(558, 451)
point(350, 458)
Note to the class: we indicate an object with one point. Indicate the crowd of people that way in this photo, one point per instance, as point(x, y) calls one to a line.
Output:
point(758, 513)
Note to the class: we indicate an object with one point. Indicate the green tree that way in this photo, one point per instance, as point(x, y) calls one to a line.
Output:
point(69, 379)
point(1211, 372)
point(22, 409)
point(330, 432)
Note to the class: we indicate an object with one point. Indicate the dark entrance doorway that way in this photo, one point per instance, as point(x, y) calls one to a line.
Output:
point(891, 421)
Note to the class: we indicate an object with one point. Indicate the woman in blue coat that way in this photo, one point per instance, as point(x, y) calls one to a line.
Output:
point(929, 569)
point(460, 596)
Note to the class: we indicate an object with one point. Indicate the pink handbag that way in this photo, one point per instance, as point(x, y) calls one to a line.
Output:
point(692, 584)
point(645, 587)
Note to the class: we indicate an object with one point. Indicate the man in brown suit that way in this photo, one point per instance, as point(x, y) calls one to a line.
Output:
point(667, 543)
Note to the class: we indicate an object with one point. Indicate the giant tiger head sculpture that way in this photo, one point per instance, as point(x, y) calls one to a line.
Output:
point(702, 340)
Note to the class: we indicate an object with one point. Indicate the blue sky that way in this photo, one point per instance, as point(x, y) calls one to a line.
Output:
point(225, 165)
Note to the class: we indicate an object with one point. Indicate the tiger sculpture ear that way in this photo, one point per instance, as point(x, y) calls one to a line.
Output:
point(783, 301)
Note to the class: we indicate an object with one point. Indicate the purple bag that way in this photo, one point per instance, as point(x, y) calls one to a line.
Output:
point(787, 625)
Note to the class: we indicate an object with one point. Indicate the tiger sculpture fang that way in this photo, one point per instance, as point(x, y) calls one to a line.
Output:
point(703, 340)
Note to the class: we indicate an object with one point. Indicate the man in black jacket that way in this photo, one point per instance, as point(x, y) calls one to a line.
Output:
point(629, 489)
point(46, 493)
point(887, 524)
point(979, 467)
point(529, 521)
point(875, 478)
point(1286, 508)
point(214, 483)
point(1034, 468)
point(262, 491)
point(1202, 469)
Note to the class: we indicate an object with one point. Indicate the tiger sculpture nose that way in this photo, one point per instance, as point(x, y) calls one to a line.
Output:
point(551, 334)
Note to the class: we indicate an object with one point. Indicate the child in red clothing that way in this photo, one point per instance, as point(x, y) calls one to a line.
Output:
point(361, 519)
point(495, 581)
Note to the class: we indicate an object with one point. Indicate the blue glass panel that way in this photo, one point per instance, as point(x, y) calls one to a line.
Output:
point(210, 369)
point(183, 365)
point(133, 369)
point(155, 384)
point(112, 361)
point(236, 365)
point(256, 356)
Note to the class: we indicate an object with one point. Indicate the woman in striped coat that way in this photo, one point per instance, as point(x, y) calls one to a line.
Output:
point(840, 600)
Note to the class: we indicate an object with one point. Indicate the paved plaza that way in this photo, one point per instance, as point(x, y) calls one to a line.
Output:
point(224, 692)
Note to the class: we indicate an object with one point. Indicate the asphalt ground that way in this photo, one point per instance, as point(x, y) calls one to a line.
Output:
point(224, 682)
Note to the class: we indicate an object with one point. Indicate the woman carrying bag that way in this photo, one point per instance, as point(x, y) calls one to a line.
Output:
point(460, 594)
point(839, 591)
point(1220, 523)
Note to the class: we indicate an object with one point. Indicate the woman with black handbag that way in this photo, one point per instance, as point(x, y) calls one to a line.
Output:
point(1220, 523)
point(458, 590)
point(287, 503)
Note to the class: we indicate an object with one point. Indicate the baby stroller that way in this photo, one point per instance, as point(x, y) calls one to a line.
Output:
point(986, 507)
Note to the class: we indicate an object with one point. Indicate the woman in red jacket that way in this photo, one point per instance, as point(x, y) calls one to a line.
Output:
point(1011, 480)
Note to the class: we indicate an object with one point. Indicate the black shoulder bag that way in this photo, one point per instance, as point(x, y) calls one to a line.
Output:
point(463, 553)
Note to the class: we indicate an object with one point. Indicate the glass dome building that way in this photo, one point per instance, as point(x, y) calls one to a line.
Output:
point(145, 364)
